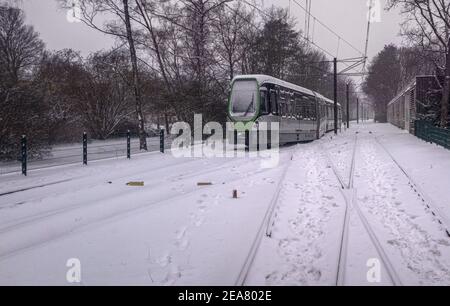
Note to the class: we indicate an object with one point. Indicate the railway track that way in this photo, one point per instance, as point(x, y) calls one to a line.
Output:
point(350, 195)
point(265, 227)
point(425, 199)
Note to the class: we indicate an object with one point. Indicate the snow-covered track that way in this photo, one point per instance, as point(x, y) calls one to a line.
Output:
point(351, 200)
point(393, 275)
point(426, 200)
point(342, 258)
point(35, 187)
point(264, 228)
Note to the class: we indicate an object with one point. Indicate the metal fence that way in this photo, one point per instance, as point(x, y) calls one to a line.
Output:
point(430, 133)
point(82, 153)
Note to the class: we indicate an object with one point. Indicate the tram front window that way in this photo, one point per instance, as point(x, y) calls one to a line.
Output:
point(244, 98)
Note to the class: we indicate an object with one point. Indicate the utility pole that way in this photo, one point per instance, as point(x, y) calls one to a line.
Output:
point(348, 105)
point(357, 110)
point(335, 97)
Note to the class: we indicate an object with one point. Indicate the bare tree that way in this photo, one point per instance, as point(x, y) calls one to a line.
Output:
point(20, 46)
point(231, 26)
point(119, 24)
point(427, 24)
point(21, 107)
point(136, 83)
point(156, 43)
point(59, 74)
point(106, 94)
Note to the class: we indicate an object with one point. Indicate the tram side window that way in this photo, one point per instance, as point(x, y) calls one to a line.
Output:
point(314, 109)
point(273, 102)
point(264, 102)
point(288, 104)
point(293, 108)
point(298, 106)
point(311, 107)
point(305, 107)
point(282, 104)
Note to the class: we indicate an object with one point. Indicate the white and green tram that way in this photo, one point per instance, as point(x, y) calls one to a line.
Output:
point(303, 115)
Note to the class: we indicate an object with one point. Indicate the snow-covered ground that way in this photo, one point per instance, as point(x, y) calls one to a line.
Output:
point(334, 217)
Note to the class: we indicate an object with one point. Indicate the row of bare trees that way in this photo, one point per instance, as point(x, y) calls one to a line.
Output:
point(53, 96)
point(426, 29)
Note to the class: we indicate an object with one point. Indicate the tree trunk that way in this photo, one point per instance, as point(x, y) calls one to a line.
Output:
point(446, 90)
point(137, 91)
point(166, 122)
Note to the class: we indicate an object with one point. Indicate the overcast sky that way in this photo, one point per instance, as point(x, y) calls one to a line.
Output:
point(346, 17)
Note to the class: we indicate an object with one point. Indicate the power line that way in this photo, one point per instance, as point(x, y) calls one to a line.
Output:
point(356, 61)
point(307, 11)
point(307, 39)
point(304, 37)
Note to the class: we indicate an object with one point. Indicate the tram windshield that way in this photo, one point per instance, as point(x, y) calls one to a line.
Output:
point(244, 98)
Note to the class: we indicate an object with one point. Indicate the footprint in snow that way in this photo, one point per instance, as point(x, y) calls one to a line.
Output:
point(315, 274)
point(199, 222)
point(180, 233)
point(172, 276)
point(164, 260)
point(182, 244)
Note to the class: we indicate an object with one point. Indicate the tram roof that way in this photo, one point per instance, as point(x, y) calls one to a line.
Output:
point(261, 79)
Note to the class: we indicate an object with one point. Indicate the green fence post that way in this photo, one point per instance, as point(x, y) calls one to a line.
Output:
point(161, 141)
point(85, 161)
point(128, 144)
point(24, 155)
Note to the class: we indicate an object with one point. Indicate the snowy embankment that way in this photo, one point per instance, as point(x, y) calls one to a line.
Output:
point(330, 219)
point(170, 231)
